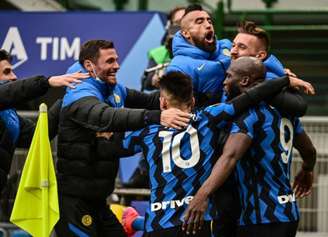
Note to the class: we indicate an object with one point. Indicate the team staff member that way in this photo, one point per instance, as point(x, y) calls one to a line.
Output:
point(86, 174)
point(16, 131)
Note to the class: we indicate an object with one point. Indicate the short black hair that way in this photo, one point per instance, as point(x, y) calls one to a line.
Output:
point(179, 86)
point(4, 55)
point(193, 7)
point(90, 49)
point(249, 27)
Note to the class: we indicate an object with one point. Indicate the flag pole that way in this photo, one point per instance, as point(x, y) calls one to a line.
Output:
point(44, 174)
point(36, 208)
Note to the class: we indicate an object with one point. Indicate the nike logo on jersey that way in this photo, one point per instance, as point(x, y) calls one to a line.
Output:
point(201, 67)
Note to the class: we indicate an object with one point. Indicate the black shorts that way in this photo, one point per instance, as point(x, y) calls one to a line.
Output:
point(280, 229)
point(177, 232)
point(84, 218)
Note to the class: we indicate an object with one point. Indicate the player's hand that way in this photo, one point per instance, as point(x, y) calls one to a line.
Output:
point(289, 72)
point(301, 85)
point(67, 79)
point(106, 135)
point(302, 186)
point(175, 118)
point(194, 215)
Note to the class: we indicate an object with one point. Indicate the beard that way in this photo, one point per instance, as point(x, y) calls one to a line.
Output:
point(202, 44)
point(109, 77)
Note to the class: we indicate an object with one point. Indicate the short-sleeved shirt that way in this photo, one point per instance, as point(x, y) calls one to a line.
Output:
point(263, 174)
point(179, 163)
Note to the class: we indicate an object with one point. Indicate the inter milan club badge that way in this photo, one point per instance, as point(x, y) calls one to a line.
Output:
point(226, 52)
point(117, 99)
point(86, 220)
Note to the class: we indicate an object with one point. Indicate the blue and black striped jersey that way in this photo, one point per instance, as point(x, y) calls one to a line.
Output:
point(263, 174)
point(179, 162)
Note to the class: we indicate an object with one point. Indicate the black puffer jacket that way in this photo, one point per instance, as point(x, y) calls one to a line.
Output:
point(17, 92)
point(13, 93)
point(83, 169)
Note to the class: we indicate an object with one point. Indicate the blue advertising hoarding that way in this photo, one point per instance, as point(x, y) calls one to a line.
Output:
point(47, 43)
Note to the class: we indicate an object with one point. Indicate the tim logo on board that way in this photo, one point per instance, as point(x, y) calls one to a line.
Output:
point(13, 43)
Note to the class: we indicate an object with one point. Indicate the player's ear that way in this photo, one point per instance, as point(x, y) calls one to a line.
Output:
point(185, 34)
point(163, 103)
point(193, 102)
point(262, 54)
point(87, 64)
point(245, 81)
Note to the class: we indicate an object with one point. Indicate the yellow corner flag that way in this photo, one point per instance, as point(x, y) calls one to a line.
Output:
point(36, 205)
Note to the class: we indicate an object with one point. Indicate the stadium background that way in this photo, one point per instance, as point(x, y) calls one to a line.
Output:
point(44, 37)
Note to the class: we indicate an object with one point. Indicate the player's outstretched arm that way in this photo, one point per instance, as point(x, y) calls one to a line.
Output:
point(15, 92)
point(68, 80)
point(236, 145)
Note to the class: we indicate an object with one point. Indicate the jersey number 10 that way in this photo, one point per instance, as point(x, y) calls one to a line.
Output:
point(171, 149)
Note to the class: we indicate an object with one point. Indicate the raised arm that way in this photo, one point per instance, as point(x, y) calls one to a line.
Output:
point(90, 113)
point(290, 102)
point(256, 94)
point(93, 114)
point(16, 92)
point(19, 91)
point(281, 95)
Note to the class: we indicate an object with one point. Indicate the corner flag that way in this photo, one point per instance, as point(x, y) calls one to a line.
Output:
point(36, 205)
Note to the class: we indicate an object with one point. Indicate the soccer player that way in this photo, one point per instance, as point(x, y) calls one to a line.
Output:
point(260, 146)
point(180, 160)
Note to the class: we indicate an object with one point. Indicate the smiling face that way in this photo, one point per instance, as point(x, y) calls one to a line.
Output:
point(107, 65)
point(197, 28)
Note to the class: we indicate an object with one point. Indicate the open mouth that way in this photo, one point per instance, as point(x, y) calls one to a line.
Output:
point(111, 74)
point(209, 37)
point(234, 57)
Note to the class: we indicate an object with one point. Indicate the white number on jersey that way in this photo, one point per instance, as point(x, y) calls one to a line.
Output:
point(171, 149)
point(286, 145)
